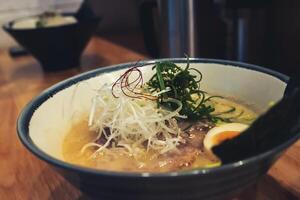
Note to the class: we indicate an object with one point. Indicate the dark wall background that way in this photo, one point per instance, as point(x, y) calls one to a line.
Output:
point(263, 32)
point(118, 15)
point(282, 38)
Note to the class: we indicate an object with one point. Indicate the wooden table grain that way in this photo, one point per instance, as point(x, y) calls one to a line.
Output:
point(23, 176)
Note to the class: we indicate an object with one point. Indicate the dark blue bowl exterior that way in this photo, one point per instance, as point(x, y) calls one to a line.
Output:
point(215, 183)
point(220, 185)
point(56, 48)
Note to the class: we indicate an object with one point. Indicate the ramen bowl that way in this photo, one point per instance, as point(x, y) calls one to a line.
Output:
point(56, 47)
point(44, 121)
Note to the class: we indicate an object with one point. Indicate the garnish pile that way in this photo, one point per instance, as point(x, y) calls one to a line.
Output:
point(136, 116)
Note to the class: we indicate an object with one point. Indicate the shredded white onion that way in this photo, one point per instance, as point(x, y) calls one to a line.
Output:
point(133, 123)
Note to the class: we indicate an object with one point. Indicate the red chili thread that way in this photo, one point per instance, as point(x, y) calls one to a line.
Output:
point(131, 86)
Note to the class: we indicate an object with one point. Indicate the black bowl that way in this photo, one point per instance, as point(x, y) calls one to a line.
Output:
point(214, 183)
point(56, 47)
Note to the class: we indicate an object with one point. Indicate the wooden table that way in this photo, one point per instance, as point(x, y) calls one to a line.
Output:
point(23, 176)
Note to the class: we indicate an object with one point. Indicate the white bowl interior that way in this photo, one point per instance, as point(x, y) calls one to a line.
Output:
point(51, 121)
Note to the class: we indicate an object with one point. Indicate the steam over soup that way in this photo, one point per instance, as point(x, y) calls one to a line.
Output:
point(166, 124)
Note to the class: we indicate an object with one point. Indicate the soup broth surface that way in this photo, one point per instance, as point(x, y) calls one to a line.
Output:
point(188, 156)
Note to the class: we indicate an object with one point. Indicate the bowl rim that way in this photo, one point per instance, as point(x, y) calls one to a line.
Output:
point(7, 26)
point(27, 112)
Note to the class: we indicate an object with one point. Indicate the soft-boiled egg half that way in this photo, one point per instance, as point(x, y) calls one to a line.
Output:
point(218, 134)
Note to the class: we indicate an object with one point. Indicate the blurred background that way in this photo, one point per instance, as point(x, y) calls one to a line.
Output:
point(259, 32)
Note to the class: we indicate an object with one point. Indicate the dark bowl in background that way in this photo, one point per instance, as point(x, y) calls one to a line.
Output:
point(57, 47)
point(219, 183)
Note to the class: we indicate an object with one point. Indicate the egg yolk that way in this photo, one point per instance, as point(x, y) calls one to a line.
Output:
point(225, 135)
